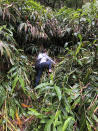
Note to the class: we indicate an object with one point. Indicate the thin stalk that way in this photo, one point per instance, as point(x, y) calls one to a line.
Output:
point(3, 124)
point(6, 114)
point(3, 127)
point(10, 123)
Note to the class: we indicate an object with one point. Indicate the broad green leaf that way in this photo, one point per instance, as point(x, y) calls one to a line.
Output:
point(43, 120)
point(14, 75)
point(67, 105)
point(54, 129)
point(12, 69)
point(51, 77)
point(58, 91)
point(58, 123)
point(56, 117)
point(77, 101)
point(79, 61)
point(57, 114)
point(33, 112)
point(68, 91)
point(95, 118)
point(78, 49)
point(2, 100)
point(88, 126)
point(59, 128)
point(80, 37)
point(42, 85)
point(66, 123)
point(48, 124)
point(14, 83)
point(12, 113)
point(18, 104)
point(21, 80)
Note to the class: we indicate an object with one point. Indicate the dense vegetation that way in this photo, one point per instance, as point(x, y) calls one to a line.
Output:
point(67, 99)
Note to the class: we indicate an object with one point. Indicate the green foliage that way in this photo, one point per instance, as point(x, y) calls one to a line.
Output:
point(81, 21)
point(58, 92)
point(66, 123)
point(2, 95)
point(55, 104)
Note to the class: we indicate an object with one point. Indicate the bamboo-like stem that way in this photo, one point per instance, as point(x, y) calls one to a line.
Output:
point(10, 123)
point(3, 127)
point(6, 113)
point(92, 103)
point(3, 124)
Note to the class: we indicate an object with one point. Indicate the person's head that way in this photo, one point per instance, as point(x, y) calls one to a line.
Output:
point(44, 51)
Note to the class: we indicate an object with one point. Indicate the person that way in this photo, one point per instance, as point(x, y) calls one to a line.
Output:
point(43, 62)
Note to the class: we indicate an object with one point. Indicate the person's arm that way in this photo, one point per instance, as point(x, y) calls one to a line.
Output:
point(49, 58)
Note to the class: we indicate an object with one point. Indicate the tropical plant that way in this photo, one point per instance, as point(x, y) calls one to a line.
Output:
point(64, 97)
point(66, 100)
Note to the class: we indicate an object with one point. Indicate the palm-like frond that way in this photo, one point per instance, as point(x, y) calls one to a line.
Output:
point(6, 11)
point(32, 30)
point(6, 34)
point(68, 98)
point(6, 50)
point(7, 43)
point(21, 26)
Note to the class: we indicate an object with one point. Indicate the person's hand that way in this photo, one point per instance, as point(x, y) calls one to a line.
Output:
point(54, 63)
point(50, 70)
